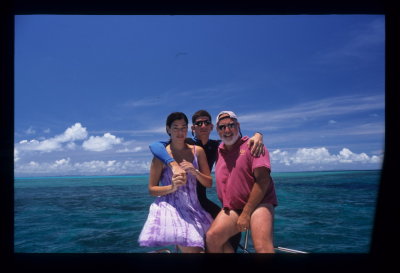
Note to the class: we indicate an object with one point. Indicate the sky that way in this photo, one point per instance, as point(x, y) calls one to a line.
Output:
point(93, 91)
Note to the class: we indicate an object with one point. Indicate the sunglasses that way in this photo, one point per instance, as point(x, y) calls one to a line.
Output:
point(229, 125)
point(200, 123)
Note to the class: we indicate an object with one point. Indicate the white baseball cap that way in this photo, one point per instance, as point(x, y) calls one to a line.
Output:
point(229, 113)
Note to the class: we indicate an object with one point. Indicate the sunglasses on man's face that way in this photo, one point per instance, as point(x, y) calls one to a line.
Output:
point(200, 123)
point(229, 125)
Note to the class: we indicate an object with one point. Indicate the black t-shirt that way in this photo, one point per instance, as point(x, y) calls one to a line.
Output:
point(210, 149)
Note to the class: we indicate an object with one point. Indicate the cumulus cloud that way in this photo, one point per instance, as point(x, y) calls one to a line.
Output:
point(127, 150)
point(73, 140)
point(321, 156)
point(75, 132)
point(65, 166)
point(101, 143)
point(62, 162)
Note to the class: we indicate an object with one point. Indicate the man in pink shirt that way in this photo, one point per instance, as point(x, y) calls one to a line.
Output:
point(245, 189)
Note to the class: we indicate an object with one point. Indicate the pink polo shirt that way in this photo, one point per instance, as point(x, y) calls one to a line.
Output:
point(234, 175)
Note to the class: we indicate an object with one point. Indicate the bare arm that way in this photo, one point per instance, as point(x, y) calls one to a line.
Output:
point(159, 151)
point(203, 173)
point(262, 181)
point(256, 145)
point(154, 178)
point(177, 170)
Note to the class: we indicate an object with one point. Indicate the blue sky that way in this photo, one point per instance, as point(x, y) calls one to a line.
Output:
point(91, 92)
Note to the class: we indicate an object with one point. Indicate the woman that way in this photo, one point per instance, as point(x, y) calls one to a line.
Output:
point(176, 216)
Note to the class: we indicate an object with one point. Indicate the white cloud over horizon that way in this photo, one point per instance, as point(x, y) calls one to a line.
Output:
point(303, 159)
point(66, 166)
point(73, 133)
point(322, 156)
point(73, 138)
point(101, 143)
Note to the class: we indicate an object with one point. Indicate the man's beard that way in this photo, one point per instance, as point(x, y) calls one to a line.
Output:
point(230, 141)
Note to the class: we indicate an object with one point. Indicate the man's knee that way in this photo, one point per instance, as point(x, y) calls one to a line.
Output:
point(263, 244)
point(212, 237)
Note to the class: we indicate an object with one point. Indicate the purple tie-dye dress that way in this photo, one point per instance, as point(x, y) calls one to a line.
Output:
point(176, 218)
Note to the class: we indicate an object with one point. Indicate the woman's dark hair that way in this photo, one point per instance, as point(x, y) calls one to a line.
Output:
point(200, 113)
point(176, 116)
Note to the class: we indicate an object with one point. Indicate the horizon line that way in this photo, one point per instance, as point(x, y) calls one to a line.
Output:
point(146, 174)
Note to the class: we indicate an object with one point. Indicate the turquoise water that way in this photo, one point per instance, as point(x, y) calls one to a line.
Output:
point(319, 212)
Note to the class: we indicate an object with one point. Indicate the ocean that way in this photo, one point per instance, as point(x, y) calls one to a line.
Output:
point(318, 212)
